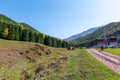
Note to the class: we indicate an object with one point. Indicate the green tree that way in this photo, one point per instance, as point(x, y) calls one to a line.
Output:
point(48, 41)
point(20, 33)
point(17, 34)
point(11, 35)
point(31, 36)
point(40, 38)
point(59, 43)
point(1, 29)
point(25, 35)
point(54, 42)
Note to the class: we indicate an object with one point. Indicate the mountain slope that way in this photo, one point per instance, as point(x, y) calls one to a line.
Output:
point(12, 30)
point(17, 58)
point(83, 34)
point(5, 18)
point(8, 20)
point(28, 27)
point(111, 29)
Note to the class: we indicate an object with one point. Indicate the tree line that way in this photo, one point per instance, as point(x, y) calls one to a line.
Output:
point(16, 31)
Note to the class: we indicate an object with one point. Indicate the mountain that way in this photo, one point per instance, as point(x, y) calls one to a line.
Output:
point(28, 27)
point(83, 34)
point(111, 29)
point(12, 30)
point(7, 20)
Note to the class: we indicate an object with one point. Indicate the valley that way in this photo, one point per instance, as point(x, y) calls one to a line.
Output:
point(59, 40)
point(27, 54)
point(30, 61)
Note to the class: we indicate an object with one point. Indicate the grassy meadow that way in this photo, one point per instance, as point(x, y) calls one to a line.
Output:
point(82, 66)
point(60, 64)
point(114, 51)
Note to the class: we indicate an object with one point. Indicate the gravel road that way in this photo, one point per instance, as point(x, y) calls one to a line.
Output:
point(111, 61)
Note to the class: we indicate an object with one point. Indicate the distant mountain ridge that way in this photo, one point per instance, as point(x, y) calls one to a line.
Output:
point(111, 29)
point(82, 34)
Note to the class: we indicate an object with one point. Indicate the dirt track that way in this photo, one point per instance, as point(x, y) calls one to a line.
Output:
point(111, 61)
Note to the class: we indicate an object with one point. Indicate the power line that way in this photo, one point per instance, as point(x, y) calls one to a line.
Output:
point(105, 38)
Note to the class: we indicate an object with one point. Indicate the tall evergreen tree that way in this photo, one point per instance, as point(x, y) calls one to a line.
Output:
point(20, 33)
point(64, 44)
point(11, 35)
point(59, 43)
point(48, 41)
point(40, 38)
point(17, 34)
point(1, 29)
point(31, 36)
point(25, 35)
point(54, 42)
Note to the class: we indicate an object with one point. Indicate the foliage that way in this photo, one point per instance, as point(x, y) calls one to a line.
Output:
point(114, 51)
point(5, 32)
point(80, 65)
point(112, 29)
point(61, 64)
point(12, 30)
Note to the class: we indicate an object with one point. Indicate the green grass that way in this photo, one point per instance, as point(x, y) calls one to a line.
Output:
point(14, 72)
point(82, 66)
point(115, 51)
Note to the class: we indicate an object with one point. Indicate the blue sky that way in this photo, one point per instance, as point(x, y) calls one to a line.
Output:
point(62, 18)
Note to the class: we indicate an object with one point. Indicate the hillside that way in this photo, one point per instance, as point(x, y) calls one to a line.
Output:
point(111, 29)
point(8, 20)
point(28, 27)
point(19, 57)
point(12, 30)
point(30, 61)
point(5, 18)
point(82, 34)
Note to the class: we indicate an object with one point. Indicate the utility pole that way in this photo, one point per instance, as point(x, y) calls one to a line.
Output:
point(105, 38)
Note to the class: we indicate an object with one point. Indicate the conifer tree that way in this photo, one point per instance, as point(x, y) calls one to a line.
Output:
point(41, 38)
point(59, 43)
point(48, 41)
point(17, 34)
point(20, 33)
point(25, 35)
point(1, 30)
point(31, 36)
point(54, 42)
point(11, 35)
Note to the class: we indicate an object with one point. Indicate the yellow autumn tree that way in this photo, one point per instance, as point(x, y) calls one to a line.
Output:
point(5, 32)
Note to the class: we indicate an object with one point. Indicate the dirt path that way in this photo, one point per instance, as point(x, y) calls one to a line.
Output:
point(111, 61)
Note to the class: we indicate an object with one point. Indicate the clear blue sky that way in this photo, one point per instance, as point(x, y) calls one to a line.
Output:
point(62, 18)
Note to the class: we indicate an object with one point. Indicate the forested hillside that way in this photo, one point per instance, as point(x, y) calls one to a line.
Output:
point(112, 29)
point(11, 30)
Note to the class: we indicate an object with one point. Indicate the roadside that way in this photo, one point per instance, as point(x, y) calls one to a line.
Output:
point(77, 65)
point(111, 61)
